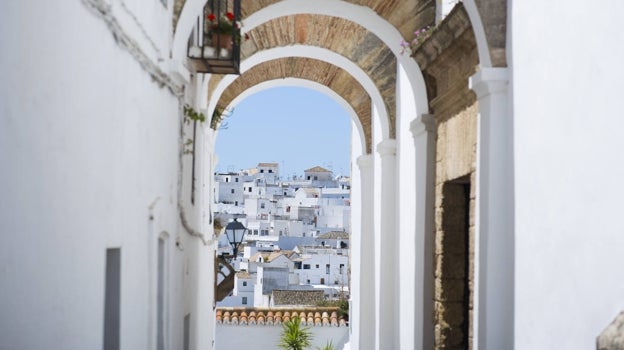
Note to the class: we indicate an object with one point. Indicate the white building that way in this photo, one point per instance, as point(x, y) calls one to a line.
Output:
point(325, 266)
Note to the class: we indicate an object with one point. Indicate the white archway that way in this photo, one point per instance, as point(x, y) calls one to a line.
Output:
point(361, 15)
point(310, 52)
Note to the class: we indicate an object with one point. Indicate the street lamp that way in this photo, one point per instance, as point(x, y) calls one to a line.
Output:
point(235, 232)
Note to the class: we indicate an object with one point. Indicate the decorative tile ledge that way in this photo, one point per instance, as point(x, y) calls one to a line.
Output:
point(317, 317)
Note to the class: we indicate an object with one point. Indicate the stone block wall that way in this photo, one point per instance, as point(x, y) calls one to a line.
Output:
point(454, 230)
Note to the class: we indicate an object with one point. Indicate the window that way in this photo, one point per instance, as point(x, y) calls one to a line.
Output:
point(322, 281)
point(308, 281)
point(317, 266)
point(249, 189)
point(112, 291)
point(306, 267)
point(341, 269)
point(298, 265)
point(235, 179)
point(270, 171)
point(160, 296)
point(244, 283)
point(232, 190)
point(261, 205)
point(262, 170)
point(327, 269)
point(227, 179)
point(315, 177)
point(187, 332)
point(244, 300)
point(236, 203)
point(308, 177)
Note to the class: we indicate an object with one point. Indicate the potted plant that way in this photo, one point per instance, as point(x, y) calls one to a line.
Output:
point(294, 337)
point(224, 30)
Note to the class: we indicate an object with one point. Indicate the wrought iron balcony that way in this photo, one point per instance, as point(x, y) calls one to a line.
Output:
point(214, 44)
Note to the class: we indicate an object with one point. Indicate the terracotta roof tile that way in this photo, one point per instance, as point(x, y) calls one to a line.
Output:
point(310, 316)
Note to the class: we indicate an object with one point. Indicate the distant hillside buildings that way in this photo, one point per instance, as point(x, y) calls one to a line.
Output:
point(297, 243)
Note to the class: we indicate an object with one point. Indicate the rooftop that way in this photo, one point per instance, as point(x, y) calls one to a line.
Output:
point(317, 169)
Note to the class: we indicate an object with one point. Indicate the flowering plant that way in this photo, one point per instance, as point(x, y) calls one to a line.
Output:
point(419, 37)
point(226, 25)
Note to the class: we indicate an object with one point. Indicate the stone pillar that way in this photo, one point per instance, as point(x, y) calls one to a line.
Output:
point(495, 225)
point(387, 246)
point(423, 129)
point(366, 302)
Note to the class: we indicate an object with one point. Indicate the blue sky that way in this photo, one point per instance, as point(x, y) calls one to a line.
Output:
point(298, 128)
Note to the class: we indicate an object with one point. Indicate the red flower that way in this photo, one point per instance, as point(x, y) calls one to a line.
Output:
point(246, 36)
point(211, 17)
point(230, 16)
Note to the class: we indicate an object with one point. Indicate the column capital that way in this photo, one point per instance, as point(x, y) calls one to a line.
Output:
point(387, 147)
point(488, 81)
point(425, 122)
point(365, 161)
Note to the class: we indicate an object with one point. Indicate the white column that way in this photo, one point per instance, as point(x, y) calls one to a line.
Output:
point(366, 302)
point(495, 194)
point(423, 129)
point(387, 245)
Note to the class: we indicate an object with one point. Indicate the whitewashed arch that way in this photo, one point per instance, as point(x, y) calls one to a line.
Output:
point(310, 52)
point(361, 15)
point(299, 82)
point(485, 60)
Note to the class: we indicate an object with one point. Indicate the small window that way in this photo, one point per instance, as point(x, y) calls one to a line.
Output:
point(232, 190)
point(308, 281)
point(341, 269)
point(316, 178)
point(306, 267)
point(244, 283)
point(261, 205)
point(235, 179)
point(308, 177)
point(270, 171)
point(327, 269)
point(236, 203)
point(262, 170)
point(249, 189)
point(317, 266)
point(244, 300)
point(227, 179)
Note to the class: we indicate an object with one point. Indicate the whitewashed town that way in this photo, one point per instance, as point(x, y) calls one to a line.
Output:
point(296, 246)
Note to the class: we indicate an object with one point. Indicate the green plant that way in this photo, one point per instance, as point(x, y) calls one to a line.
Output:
point(190, 114)
point(328, 346)
point(226, 25)
point(219, 115)
point(294, 337)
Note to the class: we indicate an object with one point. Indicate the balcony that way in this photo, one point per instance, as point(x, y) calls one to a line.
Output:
point(214, 44)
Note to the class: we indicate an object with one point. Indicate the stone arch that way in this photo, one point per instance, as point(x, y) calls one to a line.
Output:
point(362, 15)
point(333, 77)
point(308, 52)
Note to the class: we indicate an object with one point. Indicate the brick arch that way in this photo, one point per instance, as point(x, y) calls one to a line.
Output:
point(335, 78)
point(362, 47)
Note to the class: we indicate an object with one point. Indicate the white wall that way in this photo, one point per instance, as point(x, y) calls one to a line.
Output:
point(267, 337)
point(89, 154)
point(567, 87)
